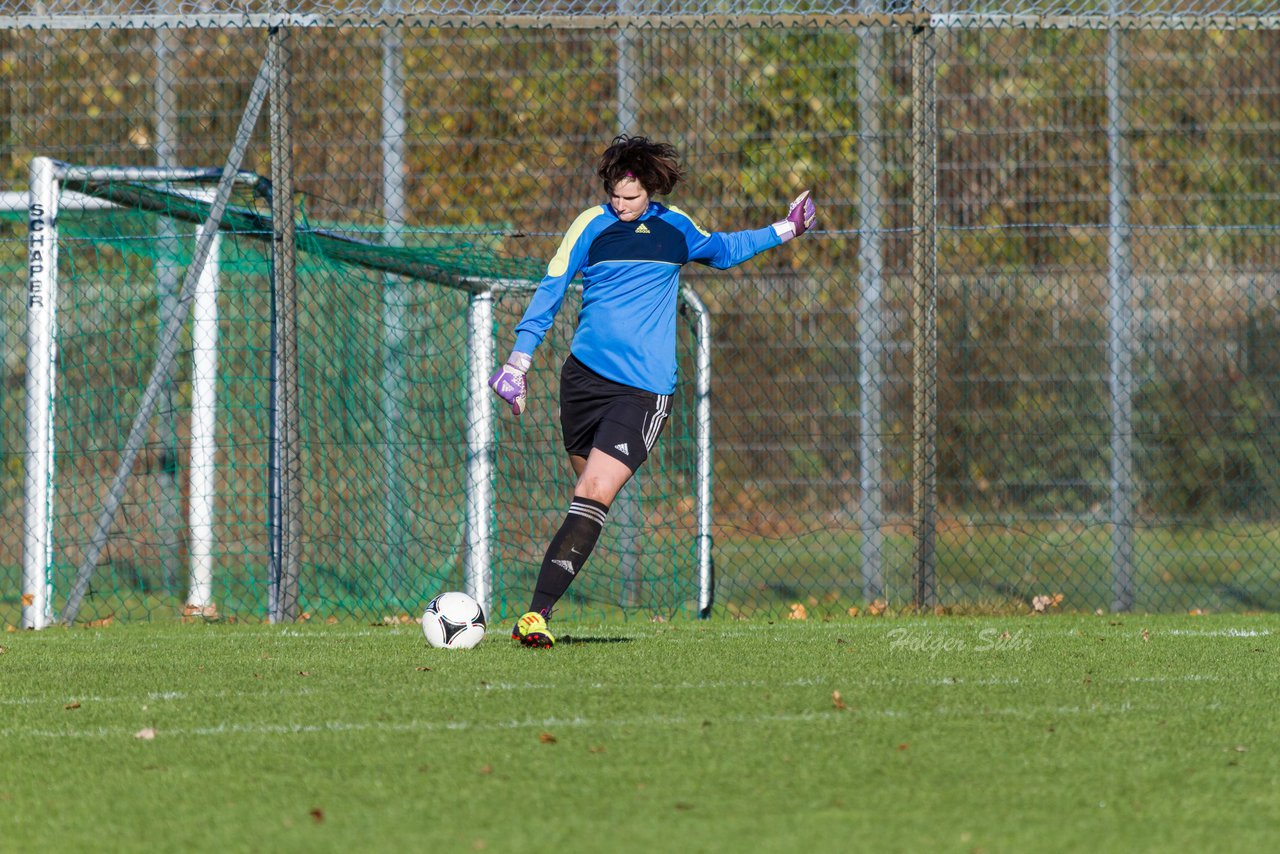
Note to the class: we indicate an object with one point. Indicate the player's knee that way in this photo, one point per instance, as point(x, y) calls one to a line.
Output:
point(596, 488)
point(602, 484)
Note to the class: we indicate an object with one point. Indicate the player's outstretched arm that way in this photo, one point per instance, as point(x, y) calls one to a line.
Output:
point(801, 216)
point(508, 382)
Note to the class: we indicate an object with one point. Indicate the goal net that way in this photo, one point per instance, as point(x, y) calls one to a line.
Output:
point(414, 479)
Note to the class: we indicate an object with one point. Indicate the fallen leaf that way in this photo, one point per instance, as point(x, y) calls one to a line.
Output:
point(317, 815)
point(28, 599)
point(546, 738)
point(420, 669)
point(74, 704)
point(837, 700)
point(902, 747)
point(103, 623)
point(1146, 635)
point(877, 607)
point(486, 769)
point(853, 612)
point(598, 748)
point(304, 672)
point(190, 612)
point(146, 734)
point(798, 612)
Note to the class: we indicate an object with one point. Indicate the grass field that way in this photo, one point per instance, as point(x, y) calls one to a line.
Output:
point(1046, 733)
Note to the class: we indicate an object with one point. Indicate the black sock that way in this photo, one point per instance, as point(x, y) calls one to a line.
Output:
point(568, 551)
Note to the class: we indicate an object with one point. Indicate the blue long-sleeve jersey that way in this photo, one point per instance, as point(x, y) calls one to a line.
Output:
point(630, 288)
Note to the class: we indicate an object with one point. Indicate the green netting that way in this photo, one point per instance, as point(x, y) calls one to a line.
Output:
point(383, 371)
point(440, 258)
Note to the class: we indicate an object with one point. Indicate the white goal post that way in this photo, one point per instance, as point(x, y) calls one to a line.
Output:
point(44, 201)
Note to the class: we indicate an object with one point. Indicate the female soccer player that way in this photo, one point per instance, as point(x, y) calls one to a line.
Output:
point(616, 384)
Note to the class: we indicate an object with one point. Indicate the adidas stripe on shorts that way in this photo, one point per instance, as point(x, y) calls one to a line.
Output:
point(621, 420)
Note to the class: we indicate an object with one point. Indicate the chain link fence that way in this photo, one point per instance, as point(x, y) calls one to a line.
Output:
point(1028, 359)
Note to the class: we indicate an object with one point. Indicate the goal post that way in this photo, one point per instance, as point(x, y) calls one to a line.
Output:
point(37, 529)
point(503, 465)
point(43, 203)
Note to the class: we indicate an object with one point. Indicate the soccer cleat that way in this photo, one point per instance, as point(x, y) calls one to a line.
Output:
point(531, 630)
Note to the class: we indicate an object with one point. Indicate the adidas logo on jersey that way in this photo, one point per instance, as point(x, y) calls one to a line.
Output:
point(642, 229)
point(622, 446)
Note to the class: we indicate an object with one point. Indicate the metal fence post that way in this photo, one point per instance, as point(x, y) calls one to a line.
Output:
point(1120, 332)
point(286, 448)
point(869, 310)
point(395, 296)
point(924, 311)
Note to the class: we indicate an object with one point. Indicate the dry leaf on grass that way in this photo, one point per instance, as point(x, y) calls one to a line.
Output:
point(546, 738)
point(837, 701)
point(146, 733)
point(798, 612)
point(1040, 604)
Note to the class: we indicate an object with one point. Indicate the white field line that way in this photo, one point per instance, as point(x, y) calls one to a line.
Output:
point(153, 697)
point(469, 688)
point(649, 722)
point(1220, 633)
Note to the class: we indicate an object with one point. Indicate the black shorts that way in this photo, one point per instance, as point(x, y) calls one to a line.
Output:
point(621, 420)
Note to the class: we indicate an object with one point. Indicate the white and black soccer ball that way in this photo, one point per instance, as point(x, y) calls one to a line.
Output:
point(453, 620)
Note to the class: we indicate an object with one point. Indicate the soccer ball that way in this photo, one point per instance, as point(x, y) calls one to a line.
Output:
point(453, 620)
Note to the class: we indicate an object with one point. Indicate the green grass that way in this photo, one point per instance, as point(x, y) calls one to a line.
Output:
point(1048, 733)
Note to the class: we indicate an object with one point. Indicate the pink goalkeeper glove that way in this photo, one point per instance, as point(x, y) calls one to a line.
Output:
point(508, 381)
point(801, 215)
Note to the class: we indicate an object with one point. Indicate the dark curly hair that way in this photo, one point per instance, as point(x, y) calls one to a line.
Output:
point(656, 165)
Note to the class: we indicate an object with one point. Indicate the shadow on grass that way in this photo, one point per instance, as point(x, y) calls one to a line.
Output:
point(574, 639)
